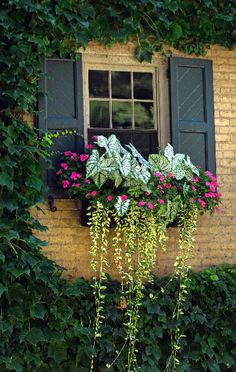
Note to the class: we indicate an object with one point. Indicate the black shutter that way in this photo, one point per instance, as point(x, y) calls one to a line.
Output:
point(61, 108)
point(192, 110)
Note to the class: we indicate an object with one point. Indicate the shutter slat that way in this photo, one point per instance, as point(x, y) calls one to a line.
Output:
point(61, 108)
point(192, 110)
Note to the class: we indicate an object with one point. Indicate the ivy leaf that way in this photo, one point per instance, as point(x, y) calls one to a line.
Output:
point(33, 336)
point(177, 31)
point(58, 352)
point(38, 311)
point(6, 180)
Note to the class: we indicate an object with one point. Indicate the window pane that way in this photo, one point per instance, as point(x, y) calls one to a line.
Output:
point(121, 84)
point(143, 85)
point(99, 114)
point(98, 84)
point(143, 115)
point(121, 115)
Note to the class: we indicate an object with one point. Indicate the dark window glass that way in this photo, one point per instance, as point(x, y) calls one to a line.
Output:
point(98, 84)
point(121, 115)
point(143, 85)
point(143, 115)
point(121, 84)
point(99, 114)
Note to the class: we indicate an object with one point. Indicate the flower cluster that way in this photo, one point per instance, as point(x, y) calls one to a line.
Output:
point(200, 191)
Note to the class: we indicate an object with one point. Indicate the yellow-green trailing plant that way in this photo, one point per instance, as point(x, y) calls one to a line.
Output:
point(142, 197)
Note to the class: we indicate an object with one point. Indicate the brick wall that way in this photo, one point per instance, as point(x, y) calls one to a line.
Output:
point(68, 242)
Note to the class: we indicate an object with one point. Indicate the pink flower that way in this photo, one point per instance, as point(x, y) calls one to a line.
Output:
point(67, 153)
point(193, 188)
point(211, 186)
point(75, 184)
point(209, 195)
point(89, 146)
point(147, 193)
point(88, 195)
point(64, 166)
point(109, 198)
point(124, 197)
point(73, 156)
point(162, 178)
point(203, 204)
point(65, 184)
point(75, 175)
point(168, 185)
point(150, 205)
point(191, 200)
point(169, 174)
point(83, 157)
point(59, 171)
point(93, 193)
point(87, 181)
point(219, 195)
point(94, 138)
point(161, 201)
point(196, 179)
point(160, 187)
point(141, 203)
point(158, 174)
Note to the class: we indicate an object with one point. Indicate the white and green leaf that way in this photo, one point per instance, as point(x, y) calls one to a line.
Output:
point(122, 206)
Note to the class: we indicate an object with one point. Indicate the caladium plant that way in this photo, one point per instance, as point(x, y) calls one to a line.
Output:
point(117, 176)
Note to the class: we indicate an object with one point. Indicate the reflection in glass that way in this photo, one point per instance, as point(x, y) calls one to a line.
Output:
point(143, 85)
point(143, 115)
point(99, 114)
point(98, 84)
point(121, 84)
point(121, 115)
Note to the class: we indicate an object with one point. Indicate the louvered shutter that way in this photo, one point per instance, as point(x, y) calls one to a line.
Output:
point(192, 110)
point(61, 108)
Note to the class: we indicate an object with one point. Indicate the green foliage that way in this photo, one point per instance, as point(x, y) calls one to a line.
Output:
point(51, 329)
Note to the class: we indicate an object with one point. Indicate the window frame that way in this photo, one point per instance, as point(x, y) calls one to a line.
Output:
point(160, 89)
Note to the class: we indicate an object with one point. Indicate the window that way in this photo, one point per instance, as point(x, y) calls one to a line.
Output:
point(122, 100)
point(111, 93)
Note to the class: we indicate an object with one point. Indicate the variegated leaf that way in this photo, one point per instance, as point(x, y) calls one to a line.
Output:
point(159, 163)
point(122, 206)
point(191, 166)
point(125, 165)
point(179, 172)
point(137, 155)
point(169, 152)
point(92, 165)
point(144, 175)
point(113, 144)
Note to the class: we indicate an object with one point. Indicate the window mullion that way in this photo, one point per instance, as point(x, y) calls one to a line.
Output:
point(132, 98)
point(110, 100)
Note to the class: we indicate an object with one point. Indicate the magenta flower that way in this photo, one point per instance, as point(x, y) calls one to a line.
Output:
point(83, 157)
point(203, 204)
point(147, 193)
point(64, 166)
point(75, 176)
point(87, 181)
point(141, 203)
point(161, 201)
point(160, 187)
point(93, 193)
point(94, 138)
point(150, 205)
point(65, 184)
point(169, 174)
point(59, 171)
point(192, 200)
point(193, 188)
point(109, 198)
point(195, 179)
point(168, 185)
point(88, 195)
point(67, 153)
point(75, 184)
point(89, 146)
point(158, 174)
point(124, 197)
point(162, 178)
point(211, 186)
